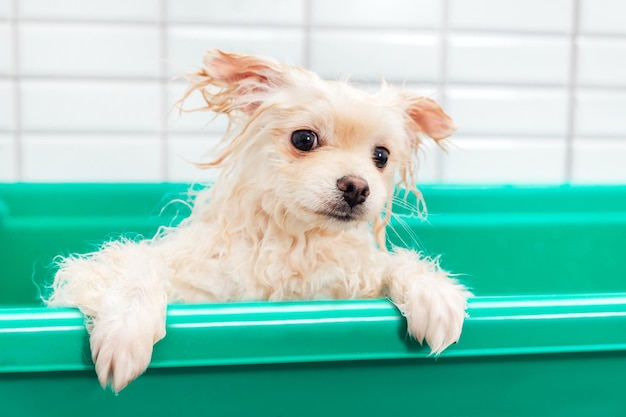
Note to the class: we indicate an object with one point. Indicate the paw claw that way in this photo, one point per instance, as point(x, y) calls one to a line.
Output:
point(120, 357)
point(437, 316)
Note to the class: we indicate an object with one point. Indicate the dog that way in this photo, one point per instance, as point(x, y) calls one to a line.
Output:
point(308, 169)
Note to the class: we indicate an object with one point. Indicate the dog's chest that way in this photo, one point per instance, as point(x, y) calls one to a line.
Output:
point(274, 266)
point(318, 268)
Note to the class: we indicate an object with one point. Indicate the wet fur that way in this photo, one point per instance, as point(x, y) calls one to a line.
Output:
point(266, 230)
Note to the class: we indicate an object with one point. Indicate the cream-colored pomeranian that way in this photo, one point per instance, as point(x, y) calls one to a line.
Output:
point(298, 212)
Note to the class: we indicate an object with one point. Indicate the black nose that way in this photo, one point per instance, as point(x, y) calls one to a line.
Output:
point(355, 190)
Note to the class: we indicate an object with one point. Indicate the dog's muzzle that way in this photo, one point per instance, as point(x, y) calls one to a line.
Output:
point(348, 206)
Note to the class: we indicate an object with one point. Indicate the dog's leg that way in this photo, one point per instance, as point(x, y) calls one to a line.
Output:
point(433, 303)
point(122, 291)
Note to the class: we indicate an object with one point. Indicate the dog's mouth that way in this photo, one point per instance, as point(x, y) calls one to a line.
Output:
point(340, 216)
point(343, 214)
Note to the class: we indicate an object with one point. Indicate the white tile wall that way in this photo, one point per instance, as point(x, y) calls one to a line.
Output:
point(5, 9)
point(277, 12)
point(7, 159)
point(599, 161)
point(113, 10)
point(602, 61)
point(187, 43)
point(6, 49)
point(506, 160)
point(429, 162)
point(601, 114)
point(508, 59)
point(603, 16)
point(493, 111)
point(396, 56)
point(96, 157)
point(88, 50)
point(6, 106)
point(554, 16)
point(184, 150)
point(90, 106)
point(537, 87)
point(369, 13)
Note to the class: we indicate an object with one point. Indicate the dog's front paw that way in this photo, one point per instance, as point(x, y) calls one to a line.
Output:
point(120, 355)
point(436, 312)
point(433, 303)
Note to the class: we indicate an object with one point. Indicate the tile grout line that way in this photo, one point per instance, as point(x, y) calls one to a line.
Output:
point(337, 27)
point(572, 87)
point(442, 75)
point(164, 93)
point(463, 85)
point(18, 149)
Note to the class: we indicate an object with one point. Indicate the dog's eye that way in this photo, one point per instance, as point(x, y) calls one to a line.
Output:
point(381, 156)
point(304, 140)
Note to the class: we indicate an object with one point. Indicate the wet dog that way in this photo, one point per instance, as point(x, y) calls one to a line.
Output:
point(307, 175)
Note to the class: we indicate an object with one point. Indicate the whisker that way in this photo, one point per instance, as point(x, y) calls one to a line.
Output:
point(407, 232)
point(409, 208)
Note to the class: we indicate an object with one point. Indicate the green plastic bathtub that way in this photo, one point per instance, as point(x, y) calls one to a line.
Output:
point(546, 335)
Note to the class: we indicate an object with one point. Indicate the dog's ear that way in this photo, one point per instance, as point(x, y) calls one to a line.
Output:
point(236, 84)
point(227, 69)
point(426, 117)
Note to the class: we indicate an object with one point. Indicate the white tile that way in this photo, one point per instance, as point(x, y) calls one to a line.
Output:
point(497, 111)
point(7, 158)
point(186, 45)
point(190, 121)
point(602, 61)
point(599, 161)
point(85, 158)
point(602, 16)
point(92, 50)
point(508, 59)
point(430, 157)
point(428, 90)
point(431, 90)
point(90, 106)
point(6, 105)
point(369, 13)
point(5, 9)
point(283, 12)
point(505, 161)
point(423, 89)
point(6, 49)
point(136, 10)
point(601, 113)
point(362, 55)
point(515, 15)
point(184, 151)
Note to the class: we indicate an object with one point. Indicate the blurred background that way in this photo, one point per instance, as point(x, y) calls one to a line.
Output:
point(537, 87)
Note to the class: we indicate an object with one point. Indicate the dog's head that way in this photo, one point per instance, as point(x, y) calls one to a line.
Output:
point(321, 153)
